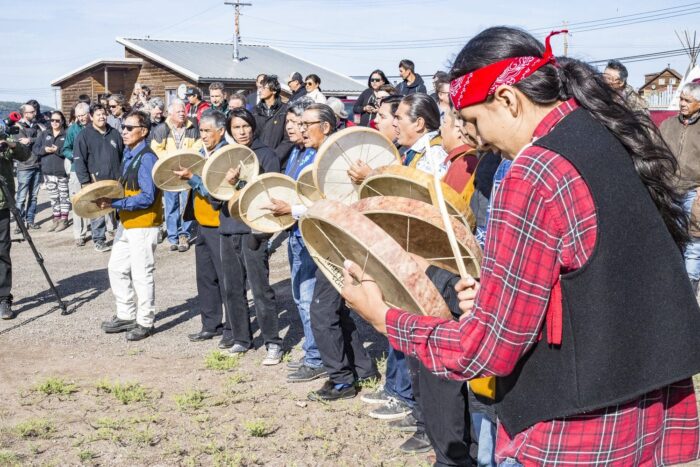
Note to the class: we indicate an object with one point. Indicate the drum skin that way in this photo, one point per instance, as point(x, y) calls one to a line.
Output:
point(224, 158)
point(256, 197)
point(163, 175)
point(84, 200)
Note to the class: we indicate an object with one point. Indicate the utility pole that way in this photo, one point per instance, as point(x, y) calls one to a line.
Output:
point(236, 26)
point(566, 39)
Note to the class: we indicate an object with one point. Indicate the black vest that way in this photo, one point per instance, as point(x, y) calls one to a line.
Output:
point(630, 321)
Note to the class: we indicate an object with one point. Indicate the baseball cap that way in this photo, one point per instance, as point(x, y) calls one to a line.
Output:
point(296, 76)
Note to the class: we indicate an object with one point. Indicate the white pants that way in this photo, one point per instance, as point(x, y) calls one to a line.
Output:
point(131, 273)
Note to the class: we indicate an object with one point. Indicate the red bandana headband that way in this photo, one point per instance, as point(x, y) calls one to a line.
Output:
point(476, 86)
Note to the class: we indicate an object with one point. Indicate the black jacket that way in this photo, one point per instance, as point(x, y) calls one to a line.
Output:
point(366, 98)
point(417, 86)
point(30, 131)
point(269, 162)
point(99, 155)
point(270, 122)
point(296, 95)
point(51, 163)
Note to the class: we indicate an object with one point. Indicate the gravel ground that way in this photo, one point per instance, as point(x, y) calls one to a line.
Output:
point(41, 343)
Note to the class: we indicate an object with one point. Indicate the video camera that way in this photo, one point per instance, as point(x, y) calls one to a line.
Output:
point(8, 129)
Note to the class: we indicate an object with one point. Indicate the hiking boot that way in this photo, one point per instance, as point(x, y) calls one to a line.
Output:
point(33, 226)
point(139, 332)
point(62, 225)
point(274, 355)
point(333, 392)
point(54, 224)
point(377, 397)
point(306, 373)
point(183, 243)
point(408, 424)
point(102, 247)
point(6, 310)
point(417, 443)
point(118, 325)
point(238, 349)
point(392, 410)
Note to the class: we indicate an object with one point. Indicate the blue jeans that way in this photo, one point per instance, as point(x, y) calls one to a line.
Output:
point(485, 431)
point(98, 226)
point(303, 282)
point(398, 381)
point(174, 207)
point(692, 249)
point(28, 182)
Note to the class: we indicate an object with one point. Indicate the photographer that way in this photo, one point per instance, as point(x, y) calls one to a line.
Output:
point(29, 172)
point(9, 151)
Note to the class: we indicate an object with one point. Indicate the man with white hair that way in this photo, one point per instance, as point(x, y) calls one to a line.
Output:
point(176, 133)
point(682, 134)
point(82, 118)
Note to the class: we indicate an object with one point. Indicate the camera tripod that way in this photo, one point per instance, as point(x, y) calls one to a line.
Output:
point(10, 199)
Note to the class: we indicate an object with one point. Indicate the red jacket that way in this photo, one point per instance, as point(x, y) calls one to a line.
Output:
point(201, 107)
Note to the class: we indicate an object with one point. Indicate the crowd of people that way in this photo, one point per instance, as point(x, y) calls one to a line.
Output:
point(525, 153)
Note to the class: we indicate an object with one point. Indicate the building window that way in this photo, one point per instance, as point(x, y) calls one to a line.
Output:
point(170, 94)
point(672, 81)
point(662, 81)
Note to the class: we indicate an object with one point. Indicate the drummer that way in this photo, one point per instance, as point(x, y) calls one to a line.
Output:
point(344, 357)
point(210, 281)
point(132, 262)
point(244, 254)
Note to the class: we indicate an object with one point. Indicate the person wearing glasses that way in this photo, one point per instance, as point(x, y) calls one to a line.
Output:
point(615, 74)
point(82, 118)
point(312, 84)
point(28, 171)
point(132, 262)
point(117, 110)
point(97, 155)
point(49, 149)
point(442, 90)
point(367, 104)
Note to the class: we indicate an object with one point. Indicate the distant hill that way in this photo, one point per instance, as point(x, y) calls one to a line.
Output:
point(7, 106)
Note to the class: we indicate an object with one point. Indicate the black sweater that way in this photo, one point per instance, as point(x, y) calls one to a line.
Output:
point(51, 163)
point(367, 97)
point(98, 154)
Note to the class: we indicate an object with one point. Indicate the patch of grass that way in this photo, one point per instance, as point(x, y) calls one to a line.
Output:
point(381, 363)
point(52, 386)
point(36, 428)
point(257, 428)
point(109, 423)
point(225, 459)
point(86, 455)
point(9, 458)
point(143, 437)
point(191, 400)
point(370, 384)
point(220, 361)
point(236, 379)
point(125, 393)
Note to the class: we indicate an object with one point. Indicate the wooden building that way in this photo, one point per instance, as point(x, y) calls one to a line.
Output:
point(164, 65)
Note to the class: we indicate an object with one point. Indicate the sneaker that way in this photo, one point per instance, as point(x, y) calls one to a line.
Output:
point(306, 373)
point(17, 231)
point(377, 397)
point(162, 234)
point(392, 410)
point(115, 325)
point(62, 225)
point(33, 226)
point(274, 355)
point(408, 424)
point(139, 332)
point(173, 247)
point(54, 224)
point(102, 247)
point(417, 443)
point(80, 242)
point(295, 364)
point(238, 349)
point(6, 310)
point(183, 243)
point(333, 392)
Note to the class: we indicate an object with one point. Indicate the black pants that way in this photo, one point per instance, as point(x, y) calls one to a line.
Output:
point(442, 411)
point(207, 254)
point(338, 341)
point(5, 261)
point(246, 255)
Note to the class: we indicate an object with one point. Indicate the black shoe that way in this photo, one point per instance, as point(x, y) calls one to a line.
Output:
point(139, 332)
point(294, 365)
point(407, 424)
point(118, 325)
point(306, 373)
point(417, 443)
point(17, 231)
point(6, 310)
point(328, 392)
point(33, 226)
point(204, 335)
point(226, 342)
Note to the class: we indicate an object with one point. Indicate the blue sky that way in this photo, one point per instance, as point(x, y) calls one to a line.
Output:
point(44, 39)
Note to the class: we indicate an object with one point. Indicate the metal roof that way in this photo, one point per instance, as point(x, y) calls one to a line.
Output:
point(116, 62)
point(210, 61)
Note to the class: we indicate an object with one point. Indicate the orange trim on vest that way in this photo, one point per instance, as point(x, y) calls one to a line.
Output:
point(143, 218)
point(205, 214)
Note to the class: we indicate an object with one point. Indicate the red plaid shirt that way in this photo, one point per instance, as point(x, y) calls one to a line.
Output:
point(543, 224)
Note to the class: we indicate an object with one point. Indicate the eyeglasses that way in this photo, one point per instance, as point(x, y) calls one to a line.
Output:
point(375, 80)
point(305, 125)
point(131, 127)
point(56, 120)
point(113, 106)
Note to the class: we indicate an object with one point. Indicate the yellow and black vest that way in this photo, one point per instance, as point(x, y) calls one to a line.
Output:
point(204, 213)
point(142, 218)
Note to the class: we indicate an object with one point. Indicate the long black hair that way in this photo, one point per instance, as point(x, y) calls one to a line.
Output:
point(653, 160)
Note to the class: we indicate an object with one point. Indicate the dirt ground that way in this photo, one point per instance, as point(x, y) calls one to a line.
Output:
point(180, 412)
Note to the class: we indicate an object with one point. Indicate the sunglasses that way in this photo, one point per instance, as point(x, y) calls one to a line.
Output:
point(56, 120)
point(113, 106)
point(375, 80)
point(310, 83)
point(130, 128)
